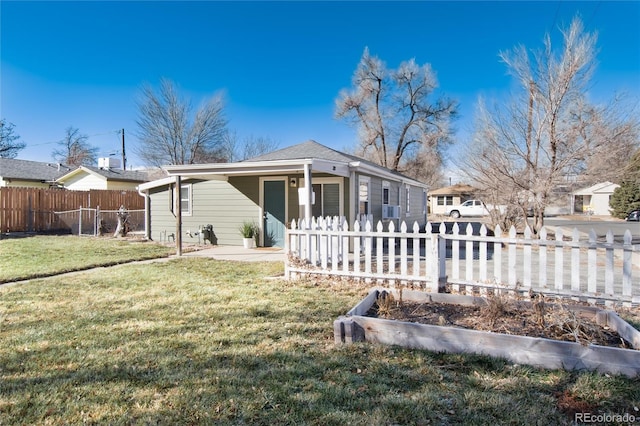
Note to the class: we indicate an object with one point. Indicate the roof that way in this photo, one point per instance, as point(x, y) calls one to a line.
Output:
point(457, 189)
point(598, 188)
point(308, 149)
point(293, 159)
point(11, 168)
point(108, 174)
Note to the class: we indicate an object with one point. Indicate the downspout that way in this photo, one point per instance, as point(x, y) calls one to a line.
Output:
point(147, 213)
point(178, 212)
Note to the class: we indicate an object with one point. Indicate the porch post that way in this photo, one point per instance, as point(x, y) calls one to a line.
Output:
point(178, 210)
point(308, 193)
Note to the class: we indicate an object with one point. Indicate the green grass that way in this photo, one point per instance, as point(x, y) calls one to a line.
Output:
point(200, 341)
point(41, 256)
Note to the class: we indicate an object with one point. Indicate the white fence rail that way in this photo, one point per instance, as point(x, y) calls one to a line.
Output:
point(551, 264)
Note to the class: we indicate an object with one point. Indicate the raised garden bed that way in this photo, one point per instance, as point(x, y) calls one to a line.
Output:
point(358, 325)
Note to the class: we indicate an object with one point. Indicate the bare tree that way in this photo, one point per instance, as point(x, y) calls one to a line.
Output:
point(74, 149)
point(249, 147)
point(169, 135)
point(400, 126)
point(526, 148)
point(9, 143)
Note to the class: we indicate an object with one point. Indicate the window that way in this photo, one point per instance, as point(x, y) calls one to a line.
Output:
point(385, 192)
point(444, 200)
point(363, 195)
point(185, 199)
point(408, 200)
point(327, 199)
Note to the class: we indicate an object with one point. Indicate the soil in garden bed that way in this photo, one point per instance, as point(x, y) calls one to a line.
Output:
point(505, 315)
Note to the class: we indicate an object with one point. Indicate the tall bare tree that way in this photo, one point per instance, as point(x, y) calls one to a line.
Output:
point(249, 147)
point(401, 125)
point(170, 134)
point(525, 148)
point(9, 140)
point(74, 150)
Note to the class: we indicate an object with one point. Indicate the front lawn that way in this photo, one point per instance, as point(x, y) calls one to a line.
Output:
point(39, 256)
point(200, 341)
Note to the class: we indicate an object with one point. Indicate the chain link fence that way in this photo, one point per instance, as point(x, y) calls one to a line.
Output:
point(96, 222)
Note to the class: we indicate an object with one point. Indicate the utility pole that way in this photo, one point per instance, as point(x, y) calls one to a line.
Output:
point(124, 156)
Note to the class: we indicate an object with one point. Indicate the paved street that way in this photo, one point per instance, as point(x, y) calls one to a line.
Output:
point(599, 225)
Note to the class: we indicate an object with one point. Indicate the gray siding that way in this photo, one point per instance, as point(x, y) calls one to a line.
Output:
point(397, 196)
point(219, 203)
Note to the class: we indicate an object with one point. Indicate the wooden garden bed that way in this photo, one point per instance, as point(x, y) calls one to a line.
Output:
point(360, 325)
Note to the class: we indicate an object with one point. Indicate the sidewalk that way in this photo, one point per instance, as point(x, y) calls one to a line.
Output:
point(239, 253)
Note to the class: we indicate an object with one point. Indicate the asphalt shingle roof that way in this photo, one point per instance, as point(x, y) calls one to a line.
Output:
point(313, 149)
point(11, 168)
point(121, 175)
point(309, 149)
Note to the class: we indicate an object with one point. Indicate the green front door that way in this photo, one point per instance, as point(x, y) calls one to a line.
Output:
point(274, 213)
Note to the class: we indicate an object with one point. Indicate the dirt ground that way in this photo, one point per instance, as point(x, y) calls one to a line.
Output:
point(505, 315)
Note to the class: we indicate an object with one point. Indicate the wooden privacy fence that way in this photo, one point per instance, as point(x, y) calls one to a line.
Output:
point(469, 260)
point(32, 209)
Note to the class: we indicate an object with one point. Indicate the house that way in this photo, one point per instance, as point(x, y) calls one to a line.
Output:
point(85, 178)
point(454, 195)
point(32, 174)
point(302, 181)
point(594, 199)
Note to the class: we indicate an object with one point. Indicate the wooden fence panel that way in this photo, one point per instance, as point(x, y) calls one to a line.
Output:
point(32, 209)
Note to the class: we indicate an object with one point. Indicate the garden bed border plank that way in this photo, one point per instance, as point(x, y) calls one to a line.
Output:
point(534, 351)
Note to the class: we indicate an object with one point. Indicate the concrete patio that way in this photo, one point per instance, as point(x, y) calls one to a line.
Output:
point(260, 254)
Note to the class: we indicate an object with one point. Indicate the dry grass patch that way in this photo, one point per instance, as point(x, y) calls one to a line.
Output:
point(199, 341)
point(42, 256)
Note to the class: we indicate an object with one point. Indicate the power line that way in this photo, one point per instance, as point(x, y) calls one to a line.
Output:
point(88, 136)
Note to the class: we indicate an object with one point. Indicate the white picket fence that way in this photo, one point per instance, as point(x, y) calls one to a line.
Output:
point(566, 267)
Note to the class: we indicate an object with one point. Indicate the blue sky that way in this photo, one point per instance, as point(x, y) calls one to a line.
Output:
point(280, 64)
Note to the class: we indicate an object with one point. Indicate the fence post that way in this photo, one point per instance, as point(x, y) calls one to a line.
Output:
point(512, 256)
point(542, 258)
point(441, 256)
point(626, 265)
point(559, 258)
point(416, 249)
point(575, 260)
point(608, 273)
point(80, 221)
point(526, 279)
point(497, 256)
point(592, 264)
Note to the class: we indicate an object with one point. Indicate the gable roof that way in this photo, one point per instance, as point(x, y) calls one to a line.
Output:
point(308, 149)
point(108, 174)
point(457, 189)
point(293, 159)
point(598, 188)
point(11, 168)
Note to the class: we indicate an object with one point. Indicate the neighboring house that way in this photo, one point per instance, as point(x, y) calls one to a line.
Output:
point(85, 178)
point(594, 199)
point(33, 174)
point(273, 189)
point(454, 195)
